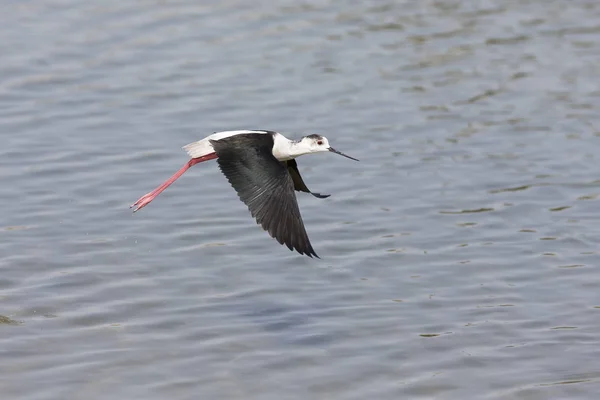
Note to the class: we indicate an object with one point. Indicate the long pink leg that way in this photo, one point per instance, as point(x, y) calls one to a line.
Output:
point(148, 197)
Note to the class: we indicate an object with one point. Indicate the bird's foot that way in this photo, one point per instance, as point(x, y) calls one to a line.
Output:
point(143, 201)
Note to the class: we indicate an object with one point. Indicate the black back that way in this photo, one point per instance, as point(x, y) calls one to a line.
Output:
point(265, 186)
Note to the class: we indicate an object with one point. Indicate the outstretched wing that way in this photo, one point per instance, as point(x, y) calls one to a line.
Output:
point(265, 186)
point(299, 184)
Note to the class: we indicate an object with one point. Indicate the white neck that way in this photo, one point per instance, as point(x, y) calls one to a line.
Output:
point(285, 149)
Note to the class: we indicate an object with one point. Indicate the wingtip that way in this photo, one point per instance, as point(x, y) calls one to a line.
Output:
point(312, 253)
point(307, 252)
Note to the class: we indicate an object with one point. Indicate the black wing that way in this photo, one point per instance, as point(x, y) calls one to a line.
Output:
point(265, 186)
point(299, 184)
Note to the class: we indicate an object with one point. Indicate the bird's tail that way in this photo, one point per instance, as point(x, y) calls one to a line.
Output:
point(200, 148)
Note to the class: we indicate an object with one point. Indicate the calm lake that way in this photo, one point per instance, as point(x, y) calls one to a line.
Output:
point(459, 256)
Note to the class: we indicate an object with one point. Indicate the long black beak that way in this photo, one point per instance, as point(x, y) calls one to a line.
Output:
point(342, 154)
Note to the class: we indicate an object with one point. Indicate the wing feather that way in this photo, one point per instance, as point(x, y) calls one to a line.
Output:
point(299, 184)
point(265, 186)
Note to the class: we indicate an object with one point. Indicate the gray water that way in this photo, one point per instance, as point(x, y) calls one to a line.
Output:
point(459, 256)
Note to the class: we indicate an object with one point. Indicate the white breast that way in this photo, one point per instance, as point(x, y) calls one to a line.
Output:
point(282, 148)
point(203, 147)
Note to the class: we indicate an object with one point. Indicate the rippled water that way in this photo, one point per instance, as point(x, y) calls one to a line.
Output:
point(459, 256)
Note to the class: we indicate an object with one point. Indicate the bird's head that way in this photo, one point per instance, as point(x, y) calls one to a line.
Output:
point(317, 143)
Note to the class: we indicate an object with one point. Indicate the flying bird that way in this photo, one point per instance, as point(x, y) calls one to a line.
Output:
point(260, 165)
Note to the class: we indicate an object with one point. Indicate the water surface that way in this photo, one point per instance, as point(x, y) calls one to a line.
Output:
point(459, 257)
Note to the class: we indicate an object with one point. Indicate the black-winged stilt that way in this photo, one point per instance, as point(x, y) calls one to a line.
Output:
point(261, 167)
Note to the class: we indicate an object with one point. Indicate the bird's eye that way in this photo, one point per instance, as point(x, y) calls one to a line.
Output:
point(320, 142)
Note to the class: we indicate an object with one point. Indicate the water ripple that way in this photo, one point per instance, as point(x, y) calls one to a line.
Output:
point(463, 244)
